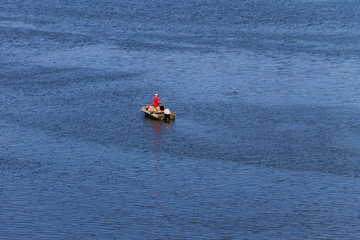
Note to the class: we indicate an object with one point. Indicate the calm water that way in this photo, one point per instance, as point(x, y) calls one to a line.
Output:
point(266, 140)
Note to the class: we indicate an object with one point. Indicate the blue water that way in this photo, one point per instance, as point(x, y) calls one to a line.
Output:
point(266, 139)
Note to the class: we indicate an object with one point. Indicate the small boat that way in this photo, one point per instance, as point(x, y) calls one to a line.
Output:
point(163, 114)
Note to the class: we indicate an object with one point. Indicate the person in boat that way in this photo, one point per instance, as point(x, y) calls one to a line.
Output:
point(167, 113)
point(157, 103)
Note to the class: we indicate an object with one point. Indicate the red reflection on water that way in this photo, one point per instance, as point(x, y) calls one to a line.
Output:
point(158, 127)
point(157, 143)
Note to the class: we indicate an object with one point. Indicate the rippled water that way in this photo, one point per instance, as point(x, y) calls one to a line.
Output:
point(266, 139)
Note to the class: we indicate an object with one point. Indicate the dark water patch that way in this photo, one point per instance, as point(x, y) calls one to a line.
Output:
point(25, 37)
point(40, 78)
point(81, 107)
point(17, 168)
point(294, 137)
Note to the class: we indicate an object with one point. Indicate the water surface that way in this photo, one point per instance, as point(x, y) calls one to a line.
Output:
point(266, 139)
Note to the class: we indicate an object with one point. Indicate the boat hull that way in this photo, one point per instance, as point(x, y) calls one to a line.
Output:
point(157, 115)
